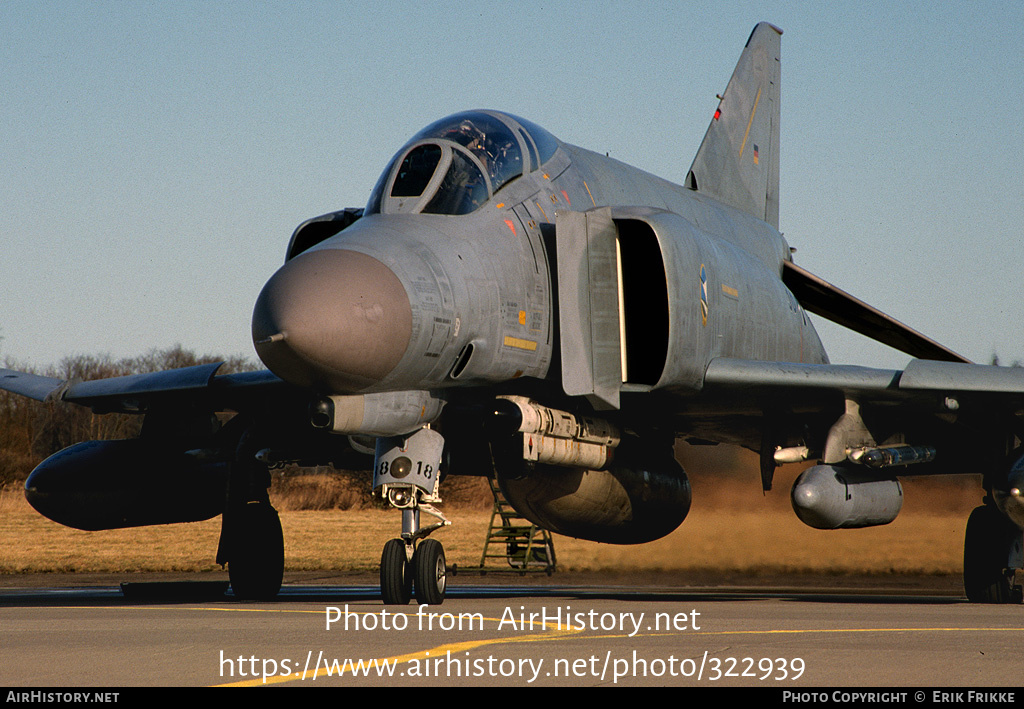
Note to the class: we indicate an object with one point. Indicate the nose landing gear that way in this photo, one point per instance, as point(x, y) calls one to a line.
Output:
point(406, 473)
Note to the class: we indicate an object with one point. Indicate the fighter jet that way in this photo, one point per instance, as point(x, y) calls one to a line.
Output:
point(513, 306)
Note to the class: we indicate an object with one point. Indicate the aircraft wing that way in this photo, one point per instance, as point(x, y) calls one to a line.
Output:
point(961, 410)
point(134, 393)
point(31, 385)
point(921, 378)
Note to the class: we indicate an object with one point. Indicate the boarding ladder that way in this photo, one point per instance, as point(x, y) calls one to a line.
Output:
point(522, 544)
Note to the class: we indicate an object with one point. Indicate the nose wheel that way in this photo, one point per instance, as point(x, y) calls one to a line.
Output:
point(396, 572)
point(408, 568)
point(431, 572)
point(406, 474)
point(425, 574)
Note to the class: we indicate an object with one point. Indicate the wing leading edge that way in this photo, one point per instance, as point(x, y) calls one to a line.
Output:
point(134, 392)
point(925, 381)
point(967, 412)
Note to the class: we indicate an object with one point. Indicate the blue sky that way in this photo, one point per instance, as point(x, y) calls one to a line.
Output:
point(157, 155)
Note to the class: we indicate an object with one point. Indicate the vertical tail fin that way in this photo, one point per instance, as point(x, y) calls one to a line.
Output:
point(738, 161)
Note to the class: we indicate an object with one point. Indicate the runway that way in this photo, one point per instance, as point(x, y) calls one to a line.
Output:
point(505, 632)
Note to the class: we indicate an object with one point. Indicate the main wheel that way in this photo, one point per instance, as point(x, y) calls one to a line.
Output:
point(256, 564)
point(395, 574)
point(986, 553)
point(431, 572)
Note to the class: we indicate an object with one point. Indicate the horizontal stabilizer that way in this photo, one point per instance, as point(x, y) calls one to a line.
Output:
point(822, 298)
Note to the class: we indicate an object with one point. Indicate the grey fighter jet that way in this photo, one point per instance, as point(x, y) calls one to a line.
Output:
point(512, 306)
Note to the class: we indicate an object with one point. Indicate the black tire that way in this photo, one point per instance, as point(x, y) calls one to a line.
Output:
point(256, 564)
point(395, 574)
point(431, 573)
point(986, 553)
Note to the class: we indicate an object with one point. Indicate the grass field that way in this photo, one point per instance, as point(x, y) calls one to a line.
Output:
point(731, 527)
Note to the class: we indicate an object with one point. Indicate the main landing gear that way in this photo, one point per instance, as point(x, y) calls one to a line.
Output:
point(992, 551)
point(406, 472)
point(251, 540)
point(256, 558)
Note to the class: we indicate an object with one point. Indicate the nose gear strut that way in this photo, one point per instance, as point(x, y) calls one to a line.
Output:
point(406, 472)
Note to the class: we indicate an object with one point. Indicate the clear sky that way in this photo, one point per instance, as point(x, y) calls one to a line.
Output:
point(156, 156)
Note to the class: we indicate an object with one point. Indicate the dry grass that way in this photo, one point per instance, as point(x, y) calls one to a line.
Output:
point(731, 527)
point(32, 543)
point(327, 489)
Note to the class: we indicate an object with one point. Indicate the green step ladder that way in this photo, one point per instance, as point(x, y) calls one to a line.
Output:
point(524, 546)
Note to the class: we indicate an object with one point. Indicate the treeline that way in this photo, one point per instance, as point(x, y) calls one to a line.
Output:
point(30, 431)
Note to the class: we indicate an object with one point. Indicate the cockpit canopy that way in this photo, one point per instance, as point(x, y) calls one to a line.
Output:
point(456, 164)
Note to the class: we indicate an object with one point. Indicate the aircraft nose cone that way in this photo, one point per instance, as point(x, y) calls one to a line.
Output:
point(332, 319)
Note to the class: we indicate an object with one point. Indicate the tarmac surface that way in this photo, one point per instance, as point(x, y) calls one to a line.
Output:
point(592, 629)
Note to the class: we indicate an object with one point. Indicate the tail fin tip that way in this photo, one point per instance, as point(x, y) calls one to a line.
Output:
point(738, 160)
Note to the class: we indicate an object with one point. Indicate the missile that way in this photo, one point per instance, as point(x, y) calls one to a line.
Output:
point(890, 456)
